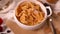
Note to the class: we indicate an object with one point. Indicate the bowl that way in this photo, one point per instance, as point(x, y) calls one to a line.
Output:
point(37, 25)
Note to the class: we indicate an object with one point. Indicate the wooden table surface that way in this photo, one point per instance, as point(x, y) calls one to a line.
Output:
point(45, 29)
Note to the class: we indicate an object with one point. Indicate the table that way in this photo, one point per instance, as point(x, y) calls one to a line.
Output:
point(45, 29)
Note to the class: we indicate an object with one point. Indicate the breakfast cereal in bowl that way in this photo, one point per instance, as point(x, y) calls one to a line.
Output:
point(30, 15)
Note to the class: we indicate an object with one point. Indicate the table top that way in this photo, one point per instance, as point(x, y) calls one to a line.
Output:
point(45, 29)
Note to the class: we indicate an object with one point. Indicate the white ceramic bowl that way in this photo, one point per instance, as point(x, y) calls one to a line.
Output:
point(9, 7)
point(35, 26)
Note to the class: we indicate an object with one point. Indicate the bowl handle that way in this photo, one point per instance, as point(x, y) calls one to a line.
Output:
point(49, 11)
